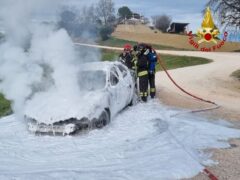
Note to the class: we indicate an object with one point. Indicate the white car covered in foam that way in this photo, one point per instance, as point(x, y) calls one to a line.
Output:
point(106, 88)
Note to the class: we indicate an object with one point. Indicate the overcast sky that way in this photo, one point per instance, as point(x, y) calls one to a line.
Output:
point(180, 10)
point(188, 11)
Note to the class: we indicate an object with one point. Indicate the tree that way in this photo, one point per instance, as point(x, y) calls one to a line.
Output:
point(76, 24)
point(105, 10)
point(88, 15)
point(162, 22)
point(67, 16)
point(227, 11)
point(97, 20)
point(68, 20)
point(105, 32)
point(124, 12)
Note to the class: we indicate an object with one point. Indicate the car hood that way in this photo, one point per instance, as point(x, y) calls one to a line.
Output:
point(49, 108)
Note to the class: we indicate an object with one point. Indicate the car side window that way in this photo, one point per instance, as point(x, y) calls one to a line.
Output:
point(114, 77)
point(114, 70)
point(122, 69)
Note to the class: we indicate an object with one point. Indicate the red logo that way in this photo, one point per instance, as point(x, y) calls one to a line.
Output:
point(208, 33)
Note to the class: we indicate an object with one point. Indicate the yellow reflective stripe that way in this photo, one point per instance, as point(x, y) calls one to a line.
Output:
point(143, 73)
point(153, 90)
point(143, 94)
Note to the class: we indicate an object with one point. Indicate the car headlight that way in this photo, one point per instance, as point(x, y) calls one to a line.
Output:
point(68, 129)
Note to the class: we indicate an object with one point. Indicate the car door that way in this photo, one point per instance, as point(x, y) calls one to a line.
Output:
point(127, 84)
point(115, 90)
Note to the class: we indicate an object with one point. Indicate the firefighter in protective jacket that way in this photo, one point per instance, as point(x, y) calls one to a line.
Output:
point(152, 57)
point(142, 70)
point(126, 57)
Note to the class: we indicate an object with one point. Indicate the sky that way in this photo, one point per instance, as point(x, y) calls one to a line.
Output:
point(187, 11)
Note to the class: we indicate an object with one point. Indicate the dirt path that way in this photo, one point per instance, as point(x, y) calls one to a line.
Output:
point(212, 82)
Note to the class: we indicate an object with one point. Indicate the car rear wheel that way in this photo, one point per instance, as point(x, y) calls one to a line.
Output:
point(103, 120)
point(134, 100)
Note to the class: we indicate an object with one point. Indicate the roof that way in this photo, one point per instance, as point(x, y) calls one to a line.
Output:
point(181, 24)
point(177, 27)
point(105, 66)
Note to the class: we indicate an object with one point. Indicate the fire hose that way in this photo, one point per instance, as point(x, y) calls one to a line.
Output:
point(210, 175)
point(216, 106)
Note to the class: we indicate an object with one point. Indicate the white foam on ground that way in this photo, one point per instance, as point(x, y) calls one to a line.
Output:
point(140, 144)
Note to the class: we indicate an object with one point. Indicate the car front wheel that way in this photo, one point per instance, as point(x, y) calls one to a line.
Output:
point(103, 120)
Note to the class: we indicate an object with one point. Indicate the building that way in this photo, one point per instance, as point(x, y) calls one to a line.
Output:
point(134, 19)
point(178, 28)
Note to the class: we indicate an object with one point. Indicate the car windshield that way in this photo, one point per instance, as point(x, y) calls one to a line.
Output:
point(92, 80)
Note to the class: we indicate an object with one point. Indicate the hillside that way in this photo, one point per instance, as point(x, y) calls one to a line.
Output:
point(142, 33)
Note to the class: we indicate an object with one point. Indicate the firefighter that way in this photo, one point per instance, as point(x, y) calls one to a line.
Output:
point(126, 57)
point(142, 70)
point(152, 57)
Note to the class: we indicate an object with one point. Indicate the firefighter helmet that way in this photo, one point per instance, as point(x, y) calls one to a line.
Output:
point(127, 47)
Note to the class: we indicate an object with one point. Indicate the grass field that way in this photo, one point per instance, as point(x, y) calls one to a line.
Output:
point(142, 33)
point(236, 74)
point(115, 42)
point(174, 62)
point(170, 61)
point(5, 106)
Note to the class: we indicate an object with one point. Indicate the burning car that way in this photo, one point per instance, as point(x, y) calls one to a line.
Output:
point(105, 89)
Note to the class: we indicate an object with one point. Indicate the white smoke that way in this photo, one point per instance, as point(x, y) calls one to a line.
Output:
point(36, 57)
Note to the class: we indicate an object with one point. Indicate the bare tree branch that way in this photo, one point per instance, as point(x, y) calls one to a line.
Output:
point(227, 11)
point(105, 10)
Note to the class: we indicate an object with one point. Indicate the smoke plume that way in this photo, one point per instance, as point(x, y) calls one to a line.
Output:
point(36, 57)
